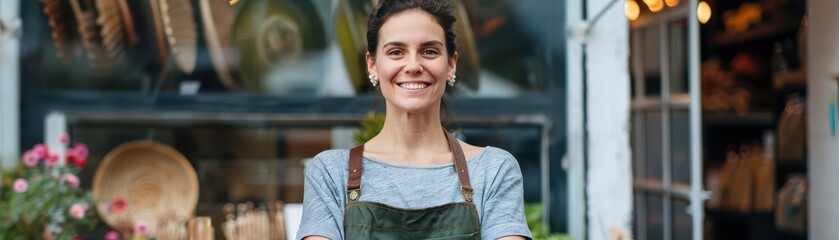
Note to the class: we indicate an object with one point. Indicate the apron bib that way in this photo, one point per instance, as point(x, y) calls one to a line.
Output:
point(372, 220)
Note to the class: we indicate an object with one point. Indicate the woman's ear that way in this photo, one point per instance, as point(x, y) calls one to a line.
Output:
point(371, 64)
point(452, 64)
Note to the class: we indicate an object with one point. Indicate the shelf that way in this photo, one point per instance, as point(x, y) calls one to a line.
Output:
point(752, 119)
point(789, 80)
point(761, 32)
point(678, 190)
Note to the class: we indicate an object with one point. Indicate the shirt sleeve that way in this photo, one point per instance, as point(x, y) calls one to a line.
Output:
point(503, 210)
point(323, 213)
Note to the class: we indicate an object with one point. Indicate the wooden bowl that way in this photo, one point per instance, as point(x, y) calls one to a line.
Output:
point(156, 181)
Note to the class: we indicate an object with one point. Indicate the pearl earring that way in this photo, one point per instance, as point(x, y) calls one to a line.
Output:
point(452, 80)
point(373, 80)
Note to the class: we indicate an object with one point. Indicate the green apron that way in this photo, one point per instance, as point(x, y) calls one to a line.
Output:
point(371, 220)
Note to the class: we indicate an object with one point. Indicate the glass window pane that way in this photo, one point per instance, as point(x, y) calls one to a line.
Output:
point(680, 146)
point(289, 48)
point(652, 144)
point(506, 69)
point(678, 57)
point(682, 222)
point(655, 217)
point(636, 40)
point(652, 61)
point(640, 215)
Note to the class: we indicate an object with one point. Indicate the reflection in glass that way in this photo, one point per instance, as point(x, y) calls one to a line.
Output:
point(682, 222)
point(655, 217)
point(653, 145)
point(272, 47)
point(652, 60)
point(678, 61)
point(680, 146)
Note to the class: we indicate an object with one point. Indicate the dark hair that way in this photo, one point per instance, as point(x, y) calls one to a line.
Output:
point(438, 8)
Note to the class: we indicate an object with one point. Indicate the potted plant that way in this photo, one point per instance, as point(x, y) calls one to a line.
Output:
point(41, 198)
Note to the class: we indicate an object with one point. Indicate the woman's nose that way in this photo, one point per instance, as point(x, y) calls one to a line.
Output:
point(413, 65)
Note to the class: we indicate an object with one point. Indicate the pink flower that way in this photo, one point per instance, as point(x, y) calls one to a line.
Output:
point(30, 159)
point(81, 150)
point(71, 180)
point(64, 139)
point(119, 205)
point(70, 157)
point(80, 163)
point(52, 159)
point(78, 210)
point(20, 185)
point(40, 150)
point(106, 207)
point(73, 159)
point(112, 235)
point(141, 228)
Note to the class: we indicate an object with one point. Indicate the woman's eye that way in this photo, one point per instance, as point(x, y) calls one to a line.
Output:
point(394, 52)
point(430, 52)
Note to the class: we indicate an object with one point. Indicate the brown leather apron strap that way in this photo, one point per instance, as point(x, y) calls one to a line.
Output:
point(356, 168)
point(460, 167)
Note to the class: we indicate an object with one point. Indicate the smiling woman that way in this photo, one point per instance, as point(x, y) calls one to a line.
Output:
point(420, 182)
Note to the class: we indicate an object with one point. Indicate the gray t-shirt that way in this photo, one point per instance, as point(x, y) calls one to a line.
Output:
point(494, 174)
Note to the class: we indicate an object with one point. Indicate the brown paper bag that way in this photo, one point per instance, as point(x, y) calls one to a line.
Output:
point(764, 180)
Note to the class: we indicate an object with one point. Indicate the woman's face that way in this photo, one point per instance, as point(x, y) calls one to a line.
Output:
point(411, 62)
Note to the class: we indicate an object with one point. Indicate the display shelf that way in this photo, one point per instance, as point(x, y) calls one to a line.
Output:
point(759, 33)
point(752, 119)
point(730, 225)
point(791, 235)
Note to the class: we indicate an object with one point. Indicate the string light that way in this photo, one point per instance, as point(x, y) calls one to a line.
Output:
point(632, 10)
point(656, 5)
point(703, 12)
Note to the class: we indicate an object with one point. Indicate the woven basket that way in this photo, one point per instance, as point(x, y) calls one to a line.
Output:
point(156, 181)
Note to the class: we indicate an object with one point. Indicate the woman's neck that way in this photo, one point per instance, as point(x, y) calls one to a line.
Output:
point(409, 133)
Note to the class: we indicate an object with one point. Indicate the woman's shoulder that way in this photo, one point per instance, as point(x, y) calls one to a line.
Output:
point(332, 159)
point(490, 153)
point(493, 159)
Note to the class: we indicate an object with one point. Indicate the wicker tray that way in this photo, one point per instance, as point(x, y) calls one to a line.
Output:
point(156, 181)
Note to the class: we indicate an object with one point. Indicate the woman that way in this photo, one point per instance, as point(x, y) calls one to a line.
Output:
point(412, 180)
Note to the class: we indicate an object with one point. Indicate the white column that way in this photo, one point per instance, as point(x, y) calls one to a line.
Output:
point(823, 163)
point(9, 89)
point(575, 123)
point(609, 176)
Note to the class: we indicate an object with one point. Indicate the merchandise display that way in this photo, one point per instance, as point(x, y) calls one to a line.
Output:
point(55, 17)
point(111, 29)
point(276, 40)
point(181, 32)
point(90, 38)
point(156, 181)
point(217, 18)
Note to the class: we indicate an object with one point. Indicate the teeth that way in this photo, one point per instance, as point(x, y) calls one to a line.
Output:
point(413, 86)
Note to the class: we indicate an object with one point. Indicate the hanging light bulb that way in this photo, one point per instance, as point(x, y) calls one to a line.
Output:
point(632, 10)
point(703, 12)
point(671, 3)
point(655, 5)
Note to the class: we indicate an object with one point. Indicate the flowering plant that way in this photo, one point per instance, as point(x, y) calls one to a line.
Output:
point(41, 198)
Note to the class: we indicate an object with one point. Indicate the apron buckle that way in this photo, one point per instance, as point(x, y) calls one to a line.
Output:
point(354, 194)
point(467, 194)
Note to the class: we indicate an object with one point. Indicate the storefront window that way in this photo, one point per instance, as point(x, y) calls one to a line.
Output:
point(212, 80)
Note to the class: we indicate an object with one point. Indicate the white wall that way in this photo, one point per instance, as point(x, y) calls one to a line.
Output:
point(823, 66)
point(9, 89)
point(609, 177)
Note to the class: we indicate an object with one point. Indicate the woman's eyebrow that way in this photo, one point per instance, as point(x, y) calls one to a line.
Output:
point(424, 44)
point(431, 43)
